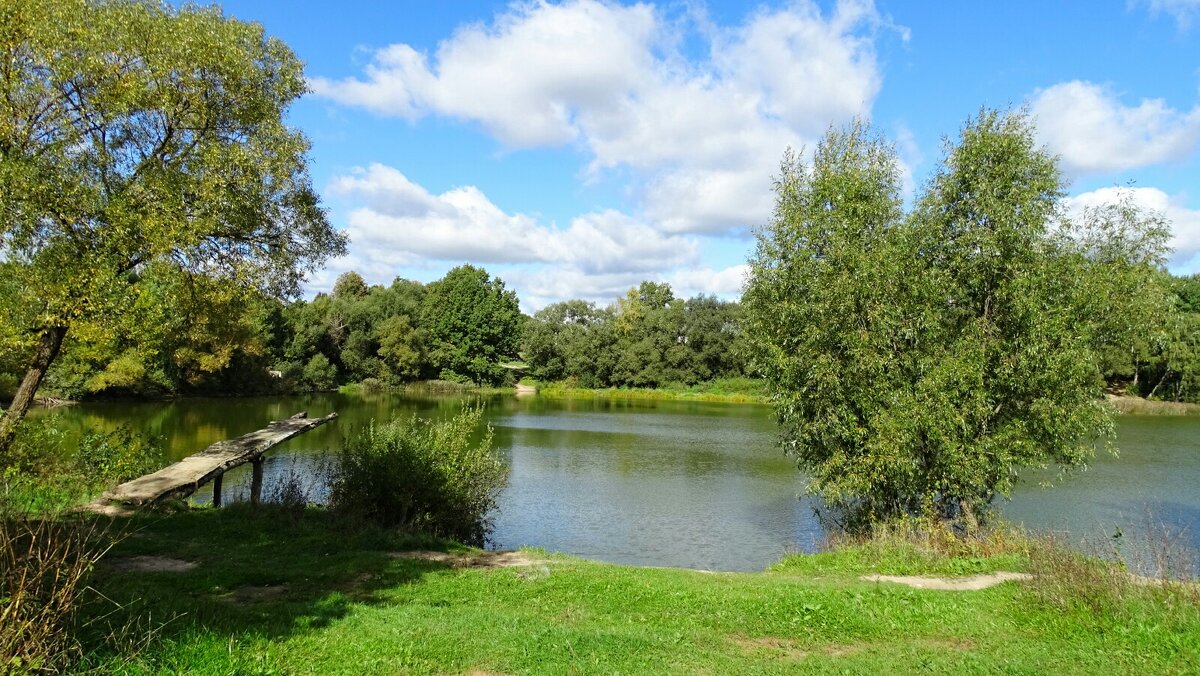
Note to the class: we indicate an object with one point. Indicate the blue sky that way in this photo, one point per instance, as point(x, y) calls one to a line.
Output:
point(575, 148)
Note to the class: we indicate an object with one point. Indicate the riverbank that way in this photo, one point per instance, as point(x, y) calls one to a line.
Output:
point(278, 591)
point(1138, 406)
point(726, 390)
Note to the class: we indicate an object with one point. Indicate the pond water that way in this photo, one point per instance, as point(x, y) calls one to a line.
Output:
point(667, 483)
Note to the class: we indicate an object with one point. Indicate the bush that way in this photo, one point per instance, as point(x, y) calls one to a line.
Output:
point(320, 374)
point(440, 478)
point(121, 455)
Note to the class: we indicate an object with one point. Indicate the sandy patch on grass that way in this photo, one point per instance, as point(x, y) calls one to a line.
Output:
point(961, 645)
point(473, 559)
point(151, 564)
point(973, 583)
point(788, 649)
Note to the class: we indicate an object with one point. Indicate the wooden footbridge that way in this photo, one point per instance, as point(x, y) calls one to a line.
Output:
point(186, 476)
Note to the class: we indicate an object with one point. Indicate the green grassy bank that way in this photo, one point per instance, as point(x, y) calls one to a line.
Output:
point(273, 591)
point(728, 390)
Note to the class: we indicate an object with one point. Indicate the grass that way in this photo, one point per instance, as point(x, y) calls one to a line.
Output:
point(727, 390)
point(274, 592)
point(1139, 406)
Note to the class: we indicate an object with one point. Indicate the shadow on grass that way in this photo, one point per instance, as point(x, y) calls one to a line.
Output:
point(260, 573)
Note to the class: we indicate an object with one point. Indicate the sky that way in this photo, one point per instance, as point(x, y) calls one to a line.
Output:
point(576, 148)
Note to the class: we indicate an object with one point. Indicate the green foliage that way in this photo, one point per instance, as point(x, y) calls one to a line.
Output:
point(48, 471)
point(439, 478)
point(473, 325)
point(140, 141)
point(918, 361)
point(646, 339)
point(319, 374)
point(350, 285)
point(117, 456)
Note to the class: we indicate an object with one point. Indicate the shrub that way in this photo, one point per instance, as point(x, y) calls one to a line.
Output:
point(373, 385)
point(436, 477)
point(320, 374)
point(120, 455)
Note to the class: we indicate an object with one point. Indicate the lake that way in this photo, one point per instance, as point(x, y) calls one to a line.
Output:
point(688, 484)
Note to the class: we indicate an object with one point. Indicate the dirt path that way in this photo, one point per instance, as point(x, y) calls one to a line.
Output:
point(474, 559)
point(973, 583)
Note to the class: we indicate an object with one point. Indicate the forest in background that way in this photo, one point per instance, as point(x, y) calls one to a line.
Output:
point(466, 326)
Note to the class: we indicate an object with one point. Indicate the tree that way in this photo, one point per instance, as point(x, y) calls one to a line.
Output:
point(350, 285)
point(136, 134)
point(401, 348)
point(319, 374)
point(918, 361)
point(472, 323)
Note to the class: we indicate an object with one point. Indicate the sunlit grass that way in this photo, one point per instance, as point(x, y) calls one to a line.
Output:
point(273, 593)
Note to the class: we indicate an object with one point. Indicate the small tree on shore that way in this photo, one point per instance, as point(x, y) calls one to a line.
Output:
point(134, 134)
point(918, 360)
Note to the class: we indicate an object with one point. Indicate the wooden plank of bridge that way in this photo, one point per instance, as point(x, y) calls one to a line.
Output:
point(184, 477)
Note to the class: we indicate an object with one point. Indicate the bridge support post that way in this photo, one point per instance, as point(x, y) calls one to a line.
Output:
point(217, 490)
point(256, 481)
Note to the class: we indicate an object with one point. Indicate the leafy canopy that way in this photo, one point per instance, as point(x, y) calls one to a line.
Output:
point(918, 360)
point(473, 324)
point(134, 134)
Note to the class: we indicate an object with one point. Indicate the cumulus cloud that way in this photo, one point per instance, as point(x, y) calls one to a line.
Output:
point(703, 136)
point(727, 282)
point(393, 221)
point(1185, 222)
point(1093, 131)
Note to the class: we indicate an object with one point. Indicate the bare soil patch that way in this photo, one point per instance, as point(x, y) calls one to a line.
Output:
point(973, 583)
point(258, 594)
point(789, 648)
point(955, 644)
point(782, 647)
point(508, 559)
point(151, 564)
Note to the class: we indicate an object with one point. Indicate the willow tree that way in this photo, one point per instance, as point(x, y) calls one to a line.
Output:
point(135, 134)
point(918, 360)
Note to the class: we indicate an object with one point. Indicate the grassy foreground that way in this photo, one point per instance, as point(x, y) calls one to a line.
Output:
point(279, 592)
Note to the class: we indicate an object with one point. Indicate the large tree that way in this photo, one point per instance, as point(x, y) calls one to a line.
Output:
point(918, 360)
point(472, 323)
point(135, 134)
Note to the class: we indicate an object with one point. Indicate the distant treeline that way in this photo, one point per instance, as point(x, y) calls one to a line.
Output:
point(647, 338)
point(466, 327)
point(1162, 361)
point(459, 328)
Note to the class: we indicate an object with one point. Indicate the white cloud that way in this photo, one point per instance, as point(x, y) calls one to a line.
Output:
point(394, 222)
point(727, 283)
point(1095, 132)
point(703, 137)
point(396, 226)
point(1183, 11)
point(1185, 222)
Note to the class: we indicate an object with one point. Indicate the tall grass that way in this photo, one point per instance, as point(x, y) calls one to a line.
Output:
point(439, 478)
point(44, 566)
point(726, 390)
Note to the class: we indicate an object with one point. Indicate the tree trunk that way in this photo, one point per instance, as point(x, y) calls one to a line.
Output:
point(49, 343)
point(1160, 382)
